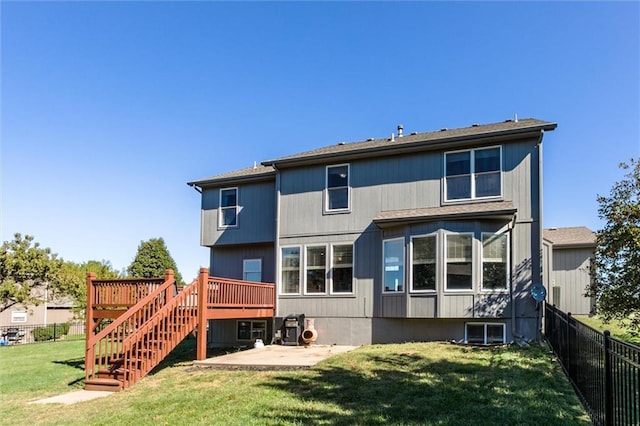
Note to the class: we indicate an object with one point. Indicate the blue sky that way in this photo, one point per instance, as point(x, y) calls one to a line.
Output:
point(109, 108)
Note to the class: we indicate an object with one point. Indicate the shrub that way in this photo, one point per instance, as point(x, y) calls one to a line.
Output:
point(49, 332)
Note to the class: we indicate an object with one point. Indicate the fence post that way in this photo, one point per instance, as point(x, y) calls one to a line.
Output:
point(203, 289)
point(169, 275)
point(55, 331)
point(608, 388)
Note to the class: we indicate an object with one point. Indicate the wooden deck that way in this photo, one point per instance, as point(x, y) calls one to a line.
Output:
point(132, 324)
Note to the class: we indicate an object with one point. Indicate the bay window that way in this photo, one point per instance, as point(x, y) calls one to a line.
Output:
point(393, 271)
point(342, 271)
point(290, 270)
point(423, 263)
point(459, 262)
point(316, 270)
point(494, 262)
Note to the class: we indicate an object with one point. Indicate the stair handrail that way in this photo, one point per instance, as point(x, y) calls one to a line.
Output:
point(147, 327)
point(93, 340)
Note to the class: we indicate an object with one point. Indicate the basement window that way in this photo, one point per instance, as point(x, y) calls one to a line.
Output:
point(484, 333)
point(251, 330)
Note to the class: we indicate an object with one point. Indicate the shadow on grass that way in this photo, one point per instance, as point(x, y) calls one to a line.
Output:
point(414, 389)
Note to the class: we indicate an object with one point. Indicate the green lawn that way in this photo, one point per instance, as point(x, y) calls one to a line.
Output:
point(410, 384)
point(618, 329)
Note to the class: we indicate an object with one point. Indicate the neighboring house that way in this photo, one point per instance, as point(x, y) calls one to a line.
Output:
point(567, 259)
point(427, 236)
point(57, 310)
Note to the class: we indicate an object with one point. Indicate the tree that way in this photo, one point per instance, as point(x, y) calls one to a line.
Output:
point(25, 268)
point(152, 259)
point(616, 269)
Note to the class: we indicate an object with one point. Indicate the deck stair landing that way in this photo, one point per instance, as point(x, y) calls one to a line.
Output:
point(135, 323)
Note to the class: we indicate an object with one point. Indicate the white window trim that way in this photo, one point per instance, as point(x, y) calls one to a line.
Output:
point(250, 321)
point(326, 189)
point(472, 174)
point(473, 263)
point(19, 317)
point(485, 324)
point(300, 269)
point(508, 268)
point(304, 274)
point(220, 208)
point(403, 263)
point(332, 268)
point(244, 268)
point(411, 289)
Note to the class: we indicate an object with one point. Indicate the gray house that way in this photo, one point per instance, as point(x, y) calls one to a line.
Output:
point(567, 256)
point(427, 236)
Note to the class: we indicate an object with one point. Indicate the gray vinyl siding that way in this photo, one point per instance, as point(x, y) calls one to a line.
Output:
point(569, 280)
point(227, 261)
point(256, 215)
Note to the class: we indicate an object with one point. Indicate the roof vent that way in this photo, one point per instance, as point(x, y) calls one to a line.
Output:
point(393, 137)
point(444, 129)
point(370, 139)
point(414, 133)
point(400, 129)
point(340, 143)
point(474, 125)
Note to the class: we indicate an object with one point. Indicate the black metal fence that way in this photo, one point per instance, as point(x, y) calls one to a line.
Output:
point(604, 371)
point(35, 333)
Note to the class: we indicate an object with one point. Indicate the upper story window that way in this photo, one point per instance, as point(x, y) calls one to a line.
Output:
point(228, 216)
point(252, 270)
point(473, 174)
point(423, 263)
point(337, 194)
point(393, 261)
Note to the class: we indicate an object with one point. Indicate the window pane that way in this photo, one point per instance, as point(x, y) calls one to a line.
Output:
point(475, 333)
point(488, 184)
point(459, 187)
point(343, 269)
point(244, 330)
point(424, 263)
point(487, 160)
point(494, 262)
point(291, 270)
point(337, 176)
point(495, 333)
point(338, 198)
point(393, 252)
point(229, 216)
point(316, 269)
point(252, 270)
point(458, 163)
point(228, 197)
point(459, 262)
point(253, 276)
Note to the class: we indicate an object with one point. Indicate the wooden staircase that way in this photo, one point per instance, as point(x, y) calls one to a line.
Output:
point(150, 317)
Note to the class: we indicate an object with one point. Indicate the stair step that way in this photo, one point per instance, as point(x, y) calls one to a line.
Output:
point(110, 385)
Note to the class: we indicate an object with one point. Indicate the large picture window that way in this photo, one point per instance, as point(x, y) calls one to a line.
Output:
point(228, 215)
point(393, 261)
point(494, 261)
point(472, 174)
point(316, 269)
point(342, 273)
point(337, 188)
point(423, 263)
point(459, 262)
point(290, 270)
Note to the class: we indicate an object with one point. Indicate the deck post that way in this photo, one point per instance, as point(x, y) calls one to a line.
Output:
point(89, 326)
point(203, 289)
point(168, 275)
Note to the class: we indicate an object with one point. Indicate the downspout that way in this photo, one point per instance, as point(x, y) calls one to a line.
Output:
point(277, 242)
point(539, 318)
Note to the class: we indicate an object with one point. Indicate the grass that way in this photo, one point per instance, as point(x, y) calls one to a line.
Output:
point(407, 384)
point(618, 329)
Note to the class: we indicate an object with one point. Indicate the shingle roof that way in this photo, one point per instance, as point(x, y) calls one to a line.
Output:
point(459, 211)
point(371, 147)
point(570, 237)
point(258, 172)
point(419, 139)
